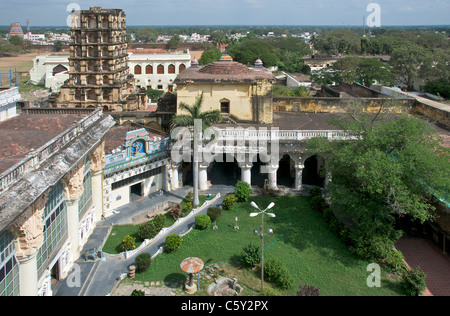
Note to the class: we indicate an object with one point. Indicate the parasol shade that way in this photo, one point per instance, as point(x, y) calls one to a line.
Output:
point(191, 265)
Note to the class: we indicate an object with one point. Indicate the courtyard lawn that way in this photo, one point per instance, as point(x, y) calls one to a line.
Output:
point(302, 241)
point(118, 232)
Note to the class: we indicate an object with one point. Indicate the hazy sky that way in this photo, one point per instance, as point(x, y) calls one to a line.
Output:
point(235, 12)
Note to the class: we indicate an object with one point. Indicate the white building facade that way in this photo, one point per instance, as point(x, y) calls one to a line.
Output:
point(158, 71)
point(152, 71)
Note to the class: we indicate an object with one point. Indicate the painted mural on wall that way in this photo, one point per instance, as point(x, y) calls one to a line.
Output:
point(139, 147)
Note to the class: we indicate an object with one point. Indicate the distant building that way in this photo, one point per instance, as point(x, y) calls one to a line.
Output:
point(8, 103)
point(230, 87)
point(50, 71)
point(152, 69)
point(158, 71)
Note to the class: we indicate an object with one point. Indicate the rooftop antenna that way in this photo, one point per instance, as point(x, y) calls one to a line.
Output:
point(364, 25)
point(28, 26)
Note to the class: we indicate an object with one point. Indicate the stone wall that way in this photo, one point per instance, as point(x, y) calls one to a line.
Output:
point(337, 105)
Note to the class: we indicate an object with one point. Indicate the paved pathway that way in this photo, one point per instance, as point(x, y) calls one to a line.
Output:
point(422, 252)
point(89, 278)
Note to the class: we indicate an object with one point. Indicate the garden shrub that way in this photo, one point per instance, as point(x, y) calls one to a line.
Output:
point(275, 272)
point(202, 222)
point(187, 208)
point(315, 191)
point(242, 191)
point(229, 201)
point(137, 293)
point(318, 203)
point(175, 212)
point(128, 243)
point(308, 290)
point(173, 243)
point(394, 260)
point(214, 213)
point(143, 262)
point(189, 197)
point(413, 281)
point(251, 256)
point(152, 228)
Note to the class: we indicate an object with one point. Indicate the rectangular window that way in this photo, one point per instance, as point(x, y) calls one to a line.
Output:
point(55, 229)
point(225, 107)
point(9, 269)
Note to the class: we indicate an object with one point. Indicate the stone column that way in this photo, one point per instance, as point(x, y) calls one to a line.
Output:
point(73, 188)
point(28, 275)
point(202, 177)
point(97, 193)
point(272, 171)
point(97, 163)
point(298, 176)
point(28, 232)
point(246, 172)
point(175, 180)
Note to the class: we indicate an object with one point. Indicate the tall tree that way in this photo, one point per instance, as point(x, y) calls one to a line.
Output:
point(391, 169)
point(407, 62)
point(206, 118)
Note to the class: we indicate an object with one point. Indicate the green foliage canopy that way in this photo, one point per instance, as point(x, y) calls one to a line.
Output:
point(391, 169)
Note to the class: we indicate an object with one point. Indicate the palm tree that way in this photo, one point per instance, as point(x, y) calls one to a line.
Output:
point(189, 120)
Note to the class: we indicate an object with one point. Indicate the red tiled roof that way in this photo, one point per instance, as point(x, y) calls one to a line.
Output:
point(224, 70)
point(23, 133)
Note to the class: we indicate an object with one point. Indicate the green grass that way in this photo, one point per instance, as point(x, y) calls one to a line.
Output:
point(118, 232)
point(301, 240)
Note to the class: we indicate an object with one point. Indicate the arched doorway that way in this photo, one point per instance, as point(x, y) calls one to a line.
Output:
point(258, 178)
point(314, 171)
point(285, 174)
point(226, 171)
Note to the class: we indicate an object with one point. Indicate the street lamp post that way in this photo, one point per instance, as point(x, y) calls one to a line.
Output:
point(262, 213)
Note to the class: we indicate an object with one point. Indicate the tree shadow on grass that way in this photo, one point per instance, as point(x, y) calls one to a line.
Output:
point(173, 279)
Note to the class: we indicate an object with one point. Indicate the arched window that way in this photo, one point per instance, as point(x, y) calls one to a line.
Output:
point(58, 69)
point(171, 69)
point(182, 67)
point(105, 52)
point(137, 70)
point(91, 95)
point(105, 80)
point(90, 66)
point(92, 23)
point(105, 66)
point(90, 52)
point(91, 38)
point(105, 23)
point(160, 70)
point(107, 95)
point(149, 70)
point(91, 80)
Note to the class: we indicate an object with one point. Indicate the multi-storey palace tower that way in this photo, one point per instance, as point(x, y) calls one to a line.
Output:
point(99, 73)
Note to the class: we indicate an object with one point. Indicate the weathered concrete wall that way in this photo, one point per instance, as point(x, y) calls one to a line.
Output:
point(337, 105)
point(436, 111)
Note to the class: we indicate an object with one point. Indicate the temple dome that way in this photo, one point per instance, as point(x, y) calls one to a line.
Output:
point(194, 63)
point(226, 57)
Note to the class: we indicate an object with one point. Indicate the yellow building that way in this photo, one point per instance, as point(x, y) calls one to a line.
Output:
point(237, 91)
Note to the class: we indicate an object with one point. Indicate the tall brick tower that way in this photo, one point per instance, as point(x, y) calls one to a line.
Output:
point(99, 73)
